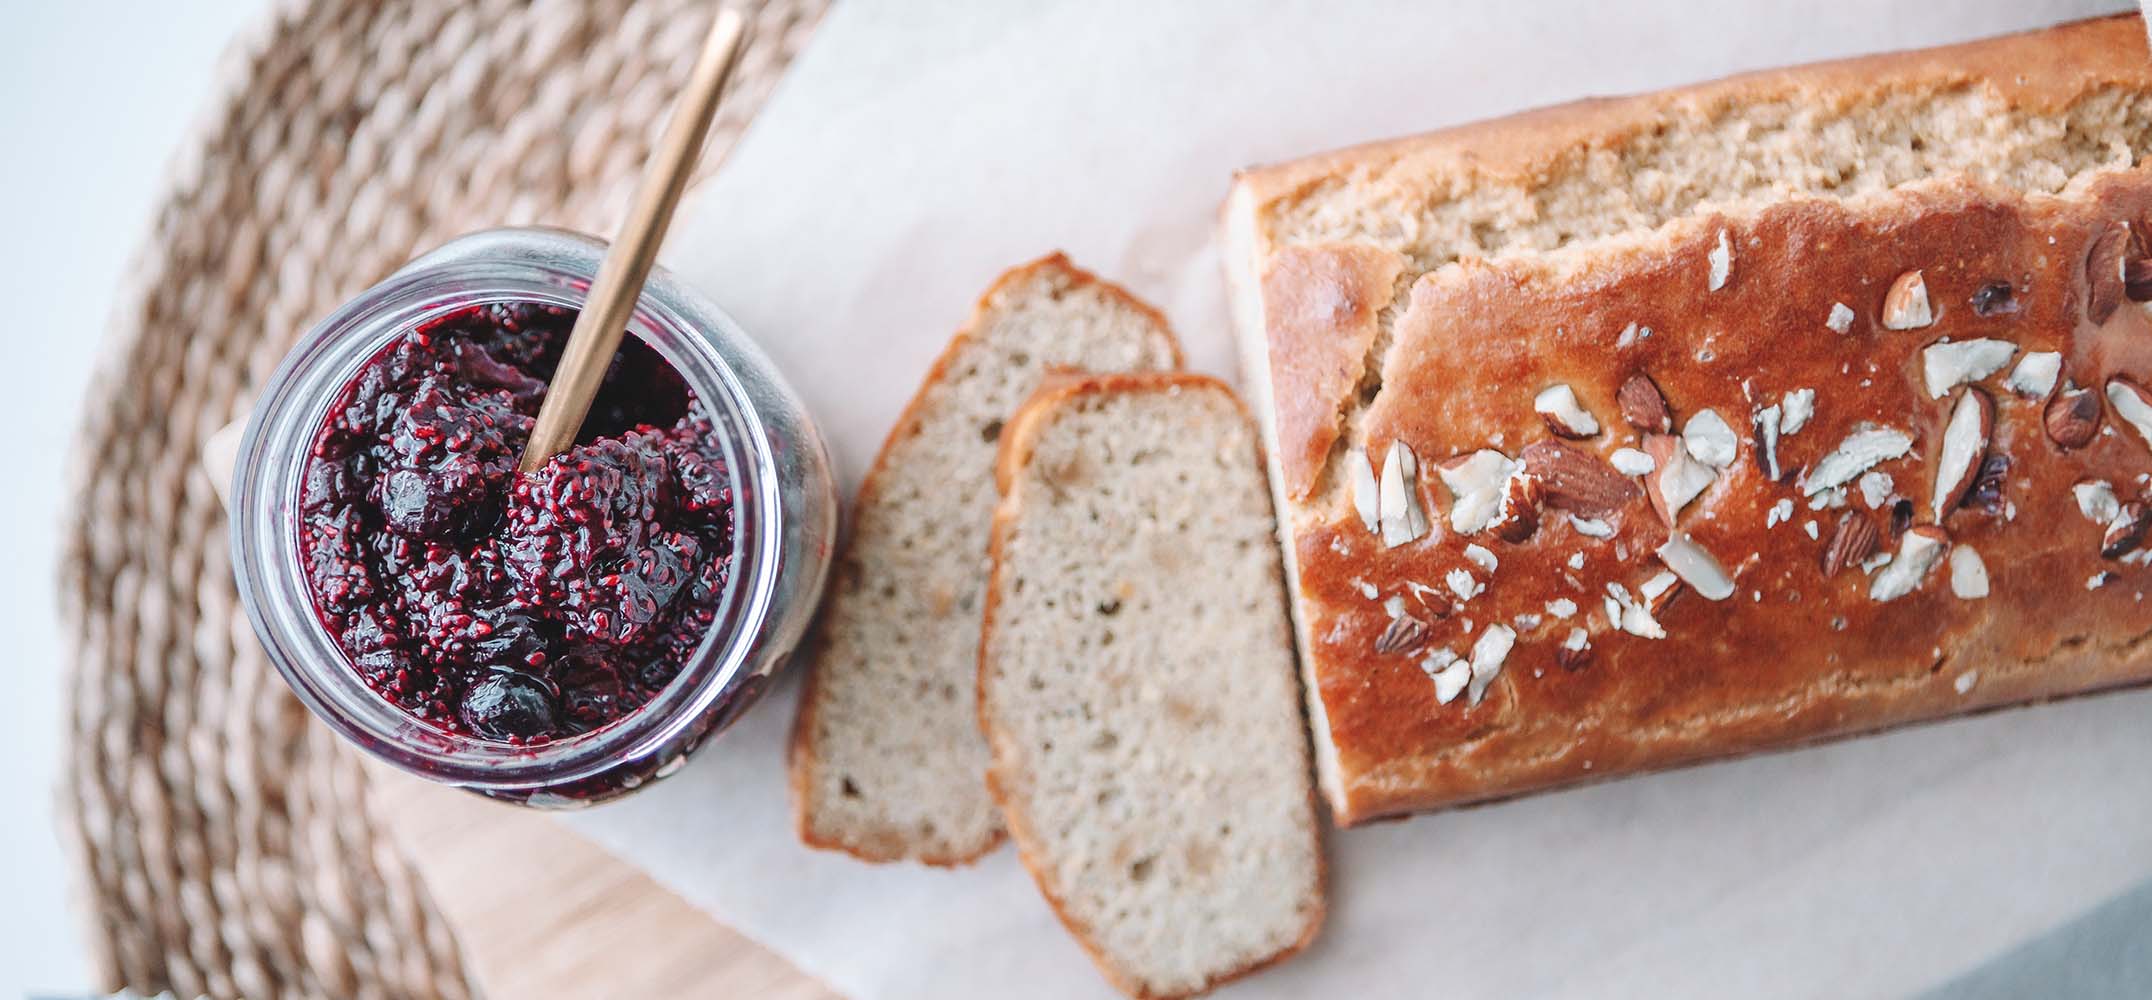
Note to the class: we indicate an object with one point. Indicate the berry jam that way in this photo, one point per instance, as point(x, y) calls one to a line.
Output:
point(518, 608)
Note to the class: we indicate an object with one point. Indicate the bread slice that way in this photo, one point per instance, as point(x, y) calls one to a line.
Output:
point(886, 758)
point(1137, 688)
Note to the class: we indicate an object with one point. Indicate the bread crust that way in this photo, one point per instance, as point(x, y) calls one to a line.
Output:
point(801, 761)
point(1017, 445)
point(1794, 657)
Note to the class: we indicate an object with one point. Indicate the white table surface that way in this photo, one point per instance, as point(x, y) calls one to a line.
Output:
point(94, 97)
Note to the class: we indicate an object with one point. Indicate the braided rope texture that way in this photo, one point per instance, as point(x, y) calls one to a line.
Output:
point(224, 841)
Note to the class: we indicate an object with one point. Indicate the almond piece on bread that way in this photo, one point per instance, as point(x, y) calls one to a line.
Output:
point(1137, 685)
point(886, 759)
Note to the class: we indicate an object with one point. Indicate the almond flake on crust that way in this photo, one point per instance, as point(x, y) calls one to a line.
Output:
point(1697, 567)
point(1876, 486)
point(1766, 422)
point(1631, 462)
point(1366, 498)
point(1477, 485)
point(1780, 513)
point(1590, 527)
point(1481, 556)
point(1968, 574)
point(1562, 607)
point(2133, 404)
point(1710, 439)
point(1487, 655)
point(1948, 364)
point(1841, 318)
point(2096, 500)
point(1401, 515)
point(1462, 583)
point(1630, 615)
point(1449, 673)
point(1557, 404)
point(1905, 306)
point(1918, 551)
point(1859, 452)
point(2035, 374)
point(1722, 261)
point(1799, 405)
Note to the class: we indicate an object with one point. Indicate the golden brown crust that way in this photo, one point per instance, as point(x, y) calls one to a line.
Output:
point(1323, 304)
point(2036, 71)
point(799, 757)
point(1017, 445)
point(1793, 657)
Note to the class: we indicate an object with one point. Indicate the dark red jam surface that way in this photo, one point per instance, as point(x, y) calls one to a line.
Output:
point(525, 608)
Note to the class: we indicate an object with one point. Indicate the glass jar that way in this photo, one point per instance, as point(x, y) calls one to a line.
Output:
point(783, 526)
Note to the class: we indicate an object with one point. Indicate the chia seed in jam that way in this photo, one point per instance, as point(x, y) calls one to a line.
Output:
point(518, 608)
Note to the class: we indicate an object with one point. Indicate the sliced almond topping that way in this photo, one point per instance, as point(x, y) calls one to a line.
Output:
point(1449, 673)
point(1722, 261)
point(2035, 374)
point(1841, 318)
point(1630, 615)
point(1477, 484)
point(1487, 655)
point(1402, 517)
point(1404, 634)
point(1905, 306)
point(1366, 498)
point(1948, 364)
point(1643, 406)
point(1462, 583)
point(2072, 418)
point(2133, 404)
point(2096, 500)
point(1918, 552)
point(1678, 478)
point(1710, 439)
point(1800, 404)
point(1562, 607)
point(2104, 275)
point(1852, 542)
point(1557, 405)
point(2126, 531)
point(1876, 486)
point(1968, 575)
point(1696, 567)
point(1858, 453)
point(1576, 480)
point(1766, 421)
point(1481, 556)
point(1965, 444)
point(1519, 518)
point(1631, 462)
point(1575, 651)
point(1590, 528)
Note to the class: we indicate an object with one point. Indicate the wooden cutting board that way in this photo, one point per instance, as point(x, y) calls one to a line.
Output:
point(543, 913)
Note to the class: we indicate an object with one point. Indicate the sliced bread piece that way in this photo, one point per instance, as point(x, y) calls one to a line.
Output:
point(1137, 686)
point(886, 758)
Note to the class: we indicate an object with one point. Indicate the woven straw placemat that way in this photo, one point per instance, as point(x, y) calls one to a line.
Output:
point(226, 843)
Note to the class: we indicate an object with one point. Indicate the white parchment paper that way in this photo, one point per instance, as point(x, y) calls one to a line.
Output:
point(920, 147)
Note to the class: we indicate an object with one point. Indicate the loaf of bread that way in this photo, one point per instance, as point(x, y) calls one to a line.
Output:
point(886, 758)
point(1136, 683)
point(1638, 432)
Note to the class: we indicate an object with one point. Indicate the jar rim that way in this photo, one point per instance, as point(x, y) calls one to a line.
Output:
point(526, 264)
